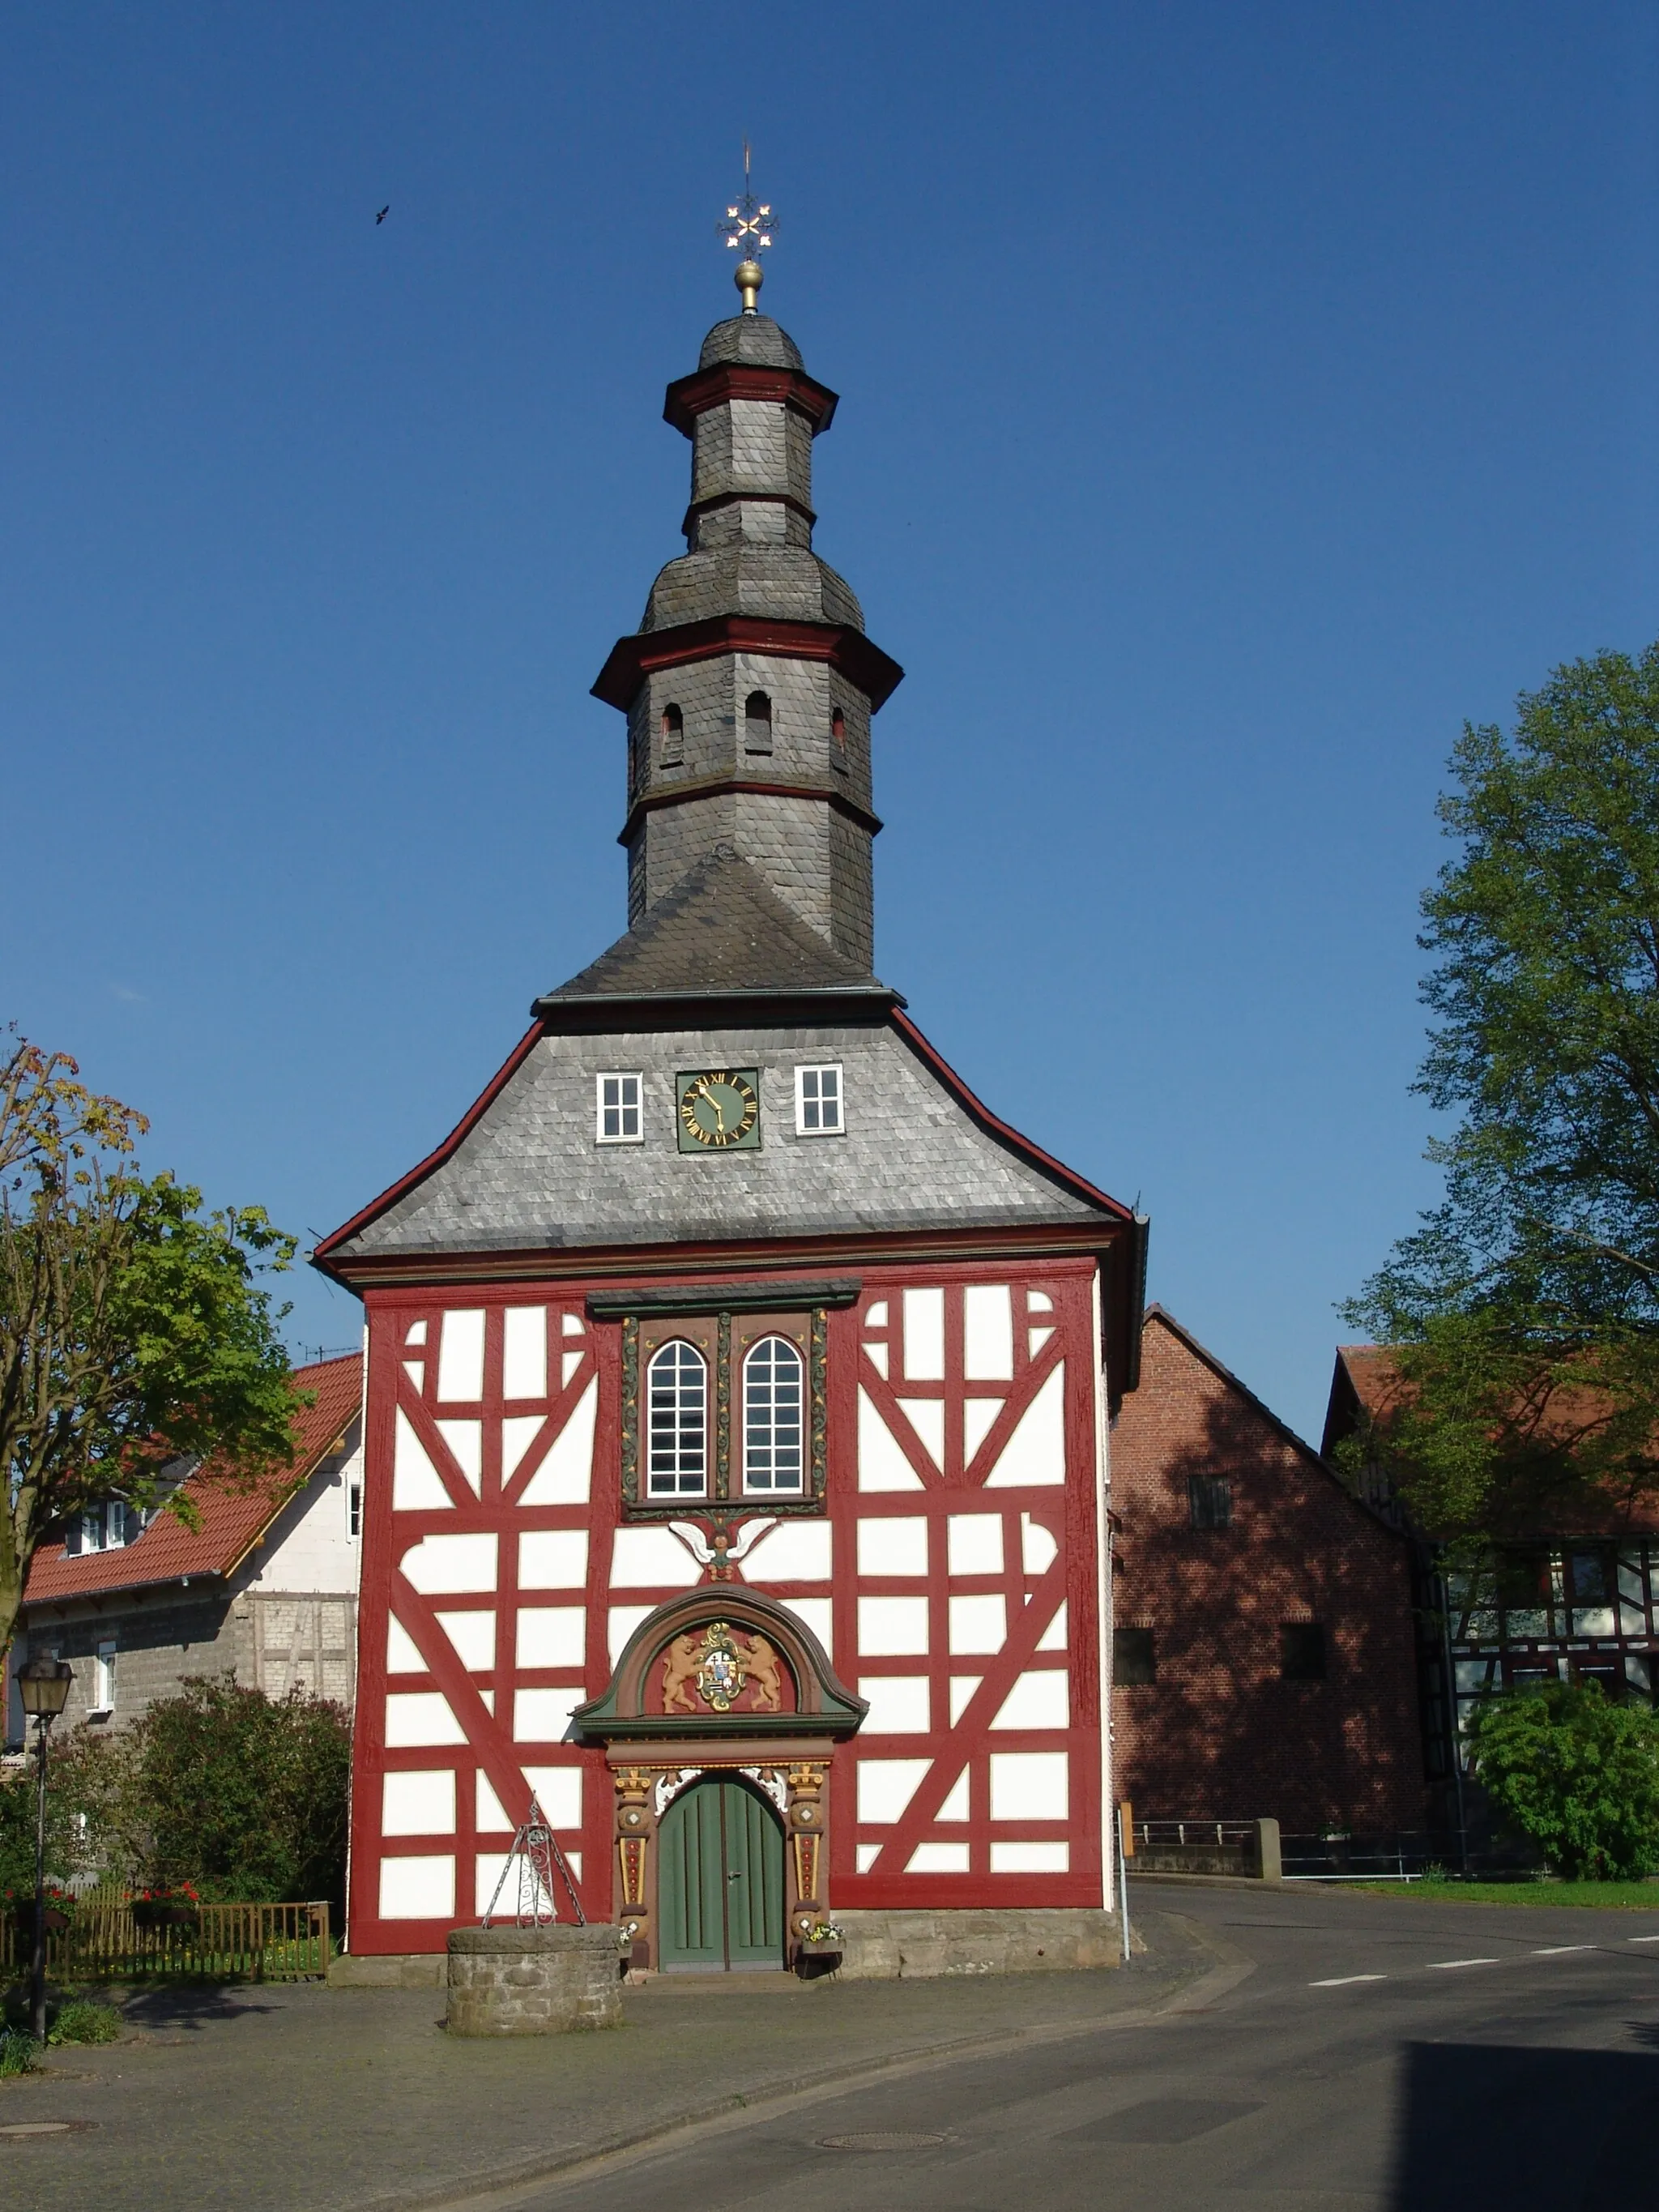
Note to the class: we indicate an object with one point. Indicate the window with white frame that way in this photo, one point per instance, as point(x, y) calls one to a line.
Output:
point(354, 1509)
point(103, 1678)
point(819, 1101)
point(773, 1396)
point(676, 1437)
point(617, 1110)
point(106, 1528)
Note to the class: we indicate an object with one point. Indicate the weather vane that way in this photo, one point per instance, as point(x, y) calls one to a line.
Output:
point(751, 228)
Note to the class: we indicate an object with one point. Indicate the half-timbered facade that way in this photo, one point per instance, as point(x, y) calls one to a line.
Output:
point(738, 1383)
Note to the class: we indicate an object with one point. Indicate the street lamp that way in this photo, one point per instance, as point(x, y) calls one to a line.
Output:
point(44, 1685)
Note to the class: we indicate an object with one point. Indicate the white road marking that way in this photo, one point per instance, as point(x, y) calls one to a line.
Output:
point(1342, 1981)
point(1445, 1965)
point(1555, 1950)
point(1642, 1939)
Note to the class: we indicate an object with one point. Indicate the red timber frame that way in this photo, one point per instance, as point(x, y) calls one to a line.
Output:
point(1049, 1541)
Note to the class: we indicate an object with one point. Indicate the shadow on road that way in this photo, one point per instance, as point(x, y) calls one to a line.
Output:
point(1530, 2130)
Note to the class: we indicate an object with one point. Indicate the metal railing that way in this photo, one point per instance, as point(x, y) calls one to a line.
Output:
point(106, 1940)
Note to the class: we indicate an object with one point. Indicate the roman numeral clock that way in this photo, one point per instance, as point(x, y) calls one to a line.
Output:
point(718, 1109)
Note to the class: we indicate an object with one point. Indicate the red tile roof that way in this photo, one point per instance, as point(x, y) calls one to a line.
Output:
point(232, 1520)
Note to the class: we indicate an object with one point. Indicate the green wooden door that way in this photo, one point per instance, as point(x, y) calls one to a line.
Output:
point(719, 1879)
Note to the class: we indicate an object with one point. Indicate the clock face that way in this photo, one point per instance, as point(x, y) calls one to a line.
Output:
point(719, 1109)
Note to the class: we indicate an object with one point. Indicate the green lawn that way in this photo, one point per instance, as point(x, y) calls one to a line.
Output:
point(1618, 1896)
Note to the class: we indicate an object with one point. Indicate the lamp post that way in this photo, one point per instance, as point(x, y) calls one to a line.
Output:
point(44, 1685)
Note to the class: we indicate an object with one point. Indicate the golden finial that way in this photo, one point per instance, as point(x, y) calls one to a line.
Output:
point(751, 226)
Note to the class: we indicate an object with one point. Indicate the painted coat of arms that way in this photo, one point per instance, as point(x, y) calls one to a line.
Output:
point(719, 1670)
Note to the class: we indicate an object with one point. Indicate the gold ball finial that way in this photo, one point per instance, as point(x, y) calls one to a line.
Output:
point(749, 276)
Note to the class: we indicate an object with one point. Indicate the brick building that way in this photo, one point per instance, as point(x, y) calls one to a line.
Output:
point(263, 1587)
point(1264, 1655)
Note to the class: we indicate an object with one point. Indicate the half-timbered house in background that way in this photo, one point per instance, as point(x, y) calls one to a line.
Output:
point(737, 1382)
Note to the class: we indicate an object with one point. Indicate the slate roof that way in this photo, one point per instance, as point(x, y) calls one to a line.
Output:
point(786, 583)
point(232, 1521)
point(523, 1172)
point(755, 340)
point(723, 929)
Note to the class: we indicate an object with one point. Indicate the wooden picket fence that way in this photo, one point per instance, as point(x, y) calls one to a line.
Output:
point(104, 1942)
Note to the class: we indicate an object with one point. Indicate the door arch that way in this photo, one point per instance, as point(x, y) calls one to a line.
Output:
point(720, 1898)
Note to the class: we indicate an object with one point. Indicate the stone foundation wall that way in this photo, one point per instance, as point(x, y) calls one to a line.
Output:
point(919, 1946)
point(533, 1981)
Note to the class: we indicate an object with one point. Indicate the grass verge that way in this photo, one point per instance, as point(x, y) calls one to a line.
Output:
point(1610, 1896)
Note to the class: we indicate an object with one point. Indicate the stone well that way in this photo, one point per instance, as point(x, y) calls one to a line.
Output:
point(532, 1981)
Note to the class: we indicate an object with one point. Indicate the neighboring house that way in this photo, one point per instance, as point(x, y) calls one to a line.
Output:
point(1264, 1660)
point(265, 1588)
point(1575, 1601)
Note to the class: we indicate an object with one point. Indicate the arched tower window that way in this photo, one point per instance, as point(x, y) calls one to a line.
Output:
point(677, 1396)
point(838, 730)
point(758, 723)
point(772, 1407)
point(673, 736)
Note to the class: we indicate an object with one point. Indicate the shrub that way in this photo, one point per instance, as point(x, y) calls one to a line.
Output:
point(16, 2053)
point(84, 2021)
point(1576, 1774)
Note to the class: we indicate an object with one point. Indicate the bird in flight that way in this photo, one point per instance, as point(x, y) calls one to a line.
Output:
point(383, 213)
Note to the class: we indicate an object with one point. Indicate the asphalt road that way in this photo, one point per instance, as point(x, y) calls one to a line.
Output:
point(1379, 2055)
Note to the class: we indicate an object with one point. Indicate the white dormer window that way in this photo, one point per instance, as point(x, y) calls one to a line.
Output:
point(617, 1110)
point(818, 1102)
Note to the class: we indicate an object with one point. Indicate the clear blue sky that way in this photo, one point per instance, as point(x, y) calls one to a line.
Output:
point(1235, 398)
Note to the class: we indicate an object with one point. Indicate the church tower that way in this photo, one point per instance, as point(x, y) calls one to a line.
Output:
point(738, 1383)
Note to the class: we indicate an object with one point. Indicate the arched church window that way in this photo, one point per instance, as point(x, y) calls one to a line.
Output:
point(758, 723)
point(773, 1396)
point(673, 736)
point(838, 730)
point(677, 1396)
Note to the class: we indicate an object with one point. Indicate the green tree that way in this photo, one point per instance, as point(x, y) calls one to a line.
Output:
point(1576, 1774)
point(1525, 1309)
point(243, 1794)
point(133, 1332)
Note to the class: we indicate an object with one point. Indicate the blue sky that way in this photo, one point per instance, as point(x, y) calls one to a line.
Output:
point(1234, 400)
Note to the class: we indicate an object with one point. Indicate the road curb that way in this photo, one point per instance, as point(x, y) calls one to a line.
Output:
point(507, 2182)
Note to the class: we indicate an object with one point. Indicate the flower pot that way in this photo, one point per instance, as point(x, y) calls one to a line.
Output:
point(161, 1912)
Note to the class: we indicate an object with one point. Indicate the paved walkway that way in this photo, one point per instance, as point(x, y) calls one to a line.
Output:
point(304, 2098)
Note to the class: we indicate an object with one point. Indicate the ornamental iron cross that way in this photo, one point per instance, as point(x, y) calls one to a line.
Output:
point(747, 224)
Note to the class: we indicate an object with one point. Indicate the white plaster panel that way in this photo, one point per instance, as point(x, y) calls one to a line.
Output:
point(553, 1558)
point(1036, 1453)
point(543, 1716)
point(416, 1487)
point(489, 1867)
point(559, 1793)
point(1038, 1302)
point(461, 1565)
point(651, 1558)
point(563, 1477)
point(882, 1465)
point(417, 1717)
point(489, 1815)
point(817, 1614)
point(622, 1621)
point(895, 1627)
point(416, 1333)
point(524, 1352)
point(978, 1418)
point(1038, 1699)
point(1029, 1785)
point(979, 1622)
point(552, 1635)
point(793, 1552)
point(402, 1657)
point(875, 1316)
point(898, 1546)
point(927, 1417)
point(1038, 1549)
point(1036, 1339)
point(569, 1362)
point(962, 1687)
point(955, 1806)
point(473, 1634)
point(519, 1433)
point(1053, 1637)
point(974, 1543)
point(924, 1336)
point(877, 1356)
point(571, 1325)
point(897, 1703)
point(465, 1442)
point(460, 1357)
point(938, 1858)
point(866, 1855)
point(421, 1804)
point(886, 1787)
point(1030, 1858)
point(988, 1345)
point(418, 1888)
